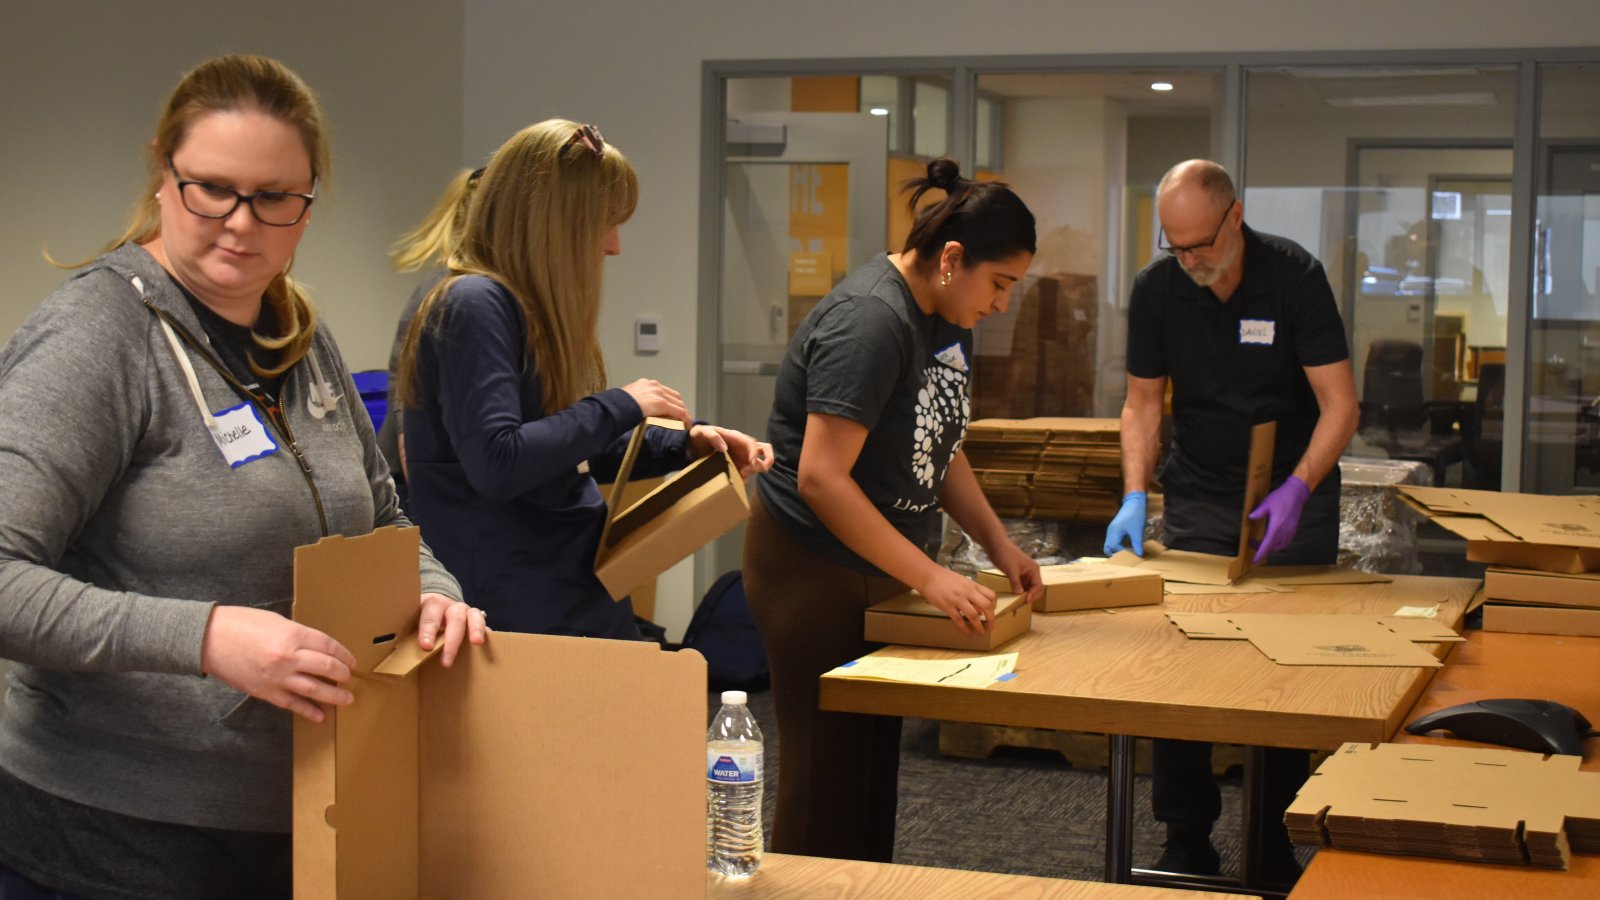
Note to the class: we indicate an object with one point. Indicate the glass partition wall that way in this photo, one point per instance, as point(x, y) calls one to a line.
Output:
point(1453, 197)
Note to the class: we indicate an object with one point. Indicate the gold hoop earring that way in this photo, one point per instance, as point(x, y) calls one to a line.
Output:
point(945, 279)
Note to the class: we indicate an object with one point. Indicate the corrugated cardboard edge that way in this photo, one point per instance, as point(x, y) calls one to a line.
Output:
point(1560, 620)
point(1451, 802)
point(893, 627)
point(381, 569)
point(722, 502)
point(1119, 587)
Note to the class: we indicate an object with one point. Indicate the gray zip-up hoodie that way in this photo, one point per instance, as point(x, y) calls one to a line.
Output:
point(121, 525)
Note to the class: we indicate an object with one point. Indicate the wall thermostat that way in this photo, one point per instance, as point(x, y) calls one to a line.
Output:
point(647, 335)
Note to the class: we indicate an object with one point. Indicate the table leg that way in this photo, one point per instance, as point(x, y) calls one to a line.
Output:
point(1255, 769)
point(1119, 810)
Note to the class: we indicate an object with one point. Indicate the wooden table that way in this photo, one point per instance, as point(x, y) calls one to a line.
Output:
point(1488, 665)
point(1130, 673)
point(784, 877)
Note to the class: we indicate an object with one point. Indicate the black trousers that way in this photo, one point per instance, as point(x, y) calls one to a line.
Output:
point(1183, 793)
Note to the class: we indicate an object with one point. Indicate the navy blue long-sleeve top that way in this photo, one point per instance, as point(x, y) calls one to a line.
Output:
point(496, 484)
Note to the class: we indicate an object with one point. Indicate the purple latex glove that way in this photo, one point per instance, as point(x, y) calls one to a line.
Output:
point(1282, 511)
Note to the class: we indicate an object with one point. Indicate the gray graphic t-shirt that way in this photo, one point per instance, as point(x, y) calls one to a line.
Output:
point(867, 353)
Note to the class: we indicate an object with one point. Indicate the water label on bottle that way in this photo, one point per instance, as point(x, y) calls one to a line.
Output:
point(734, 768)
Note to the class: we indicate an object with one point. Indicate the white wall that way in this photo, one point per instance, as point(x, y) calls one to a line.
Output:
point(84, 83)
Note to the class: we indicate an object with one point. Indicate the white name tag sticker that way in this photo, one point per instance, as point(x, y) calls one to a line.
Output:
point(1257, 331)
point(241, 435)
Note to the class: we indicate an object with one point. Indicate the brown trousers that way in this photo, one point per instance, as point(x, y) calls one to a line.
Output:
point(837, 772)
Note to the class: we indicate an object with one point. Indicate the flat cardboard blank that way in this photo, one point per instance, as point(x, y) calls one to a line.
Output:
point(1502, 806)
point(1299, 639)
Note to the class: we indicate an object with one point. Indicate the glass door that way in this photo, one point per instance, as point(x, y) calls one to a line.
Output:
point(803, 204)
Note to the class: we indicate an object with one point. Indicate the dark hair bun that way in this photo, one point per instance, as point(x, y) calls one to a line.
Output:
point(944, 173)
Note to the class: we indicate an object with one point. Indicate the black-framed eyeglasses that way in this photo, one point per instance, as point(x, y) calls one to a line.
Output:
point(590, 137)
point(214, 201)
point(1195, 248)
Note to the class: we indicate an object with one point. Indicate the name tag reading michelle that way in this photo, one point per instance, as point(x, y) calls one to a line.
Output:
point(1257, 331)
point(241, 435)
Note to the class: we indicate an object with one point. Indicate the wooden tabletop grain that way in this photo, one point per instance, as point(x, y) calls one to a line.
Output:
point(1487, 666)
point(783, 877)
point(1132, 672)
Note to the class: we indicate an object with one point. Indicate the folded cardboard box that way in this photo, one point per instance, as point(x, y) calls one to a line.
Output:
point(1542, 588)
point(504, 776)
point(1527, 531)
point(689, 510)
point(910, 619)
point(1519, 619)
point(1086, 586)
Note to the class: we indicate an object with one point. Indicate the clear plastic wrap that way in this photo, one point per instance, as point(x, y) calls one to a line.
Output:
point(1039, 538)
point(1378, 532)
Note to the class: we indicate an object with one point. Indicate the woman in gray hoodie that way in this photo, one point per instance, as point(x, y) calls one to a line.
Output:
point(173, 423)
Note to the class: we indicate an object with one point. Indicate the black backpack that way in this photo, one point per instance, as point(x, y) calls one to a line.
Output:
point(724, 632)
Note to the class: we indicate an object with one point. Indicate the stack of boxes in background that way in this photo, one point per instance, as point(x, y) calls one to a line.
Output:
point(1048, 468)
point(1543, 551)
point(1038, 357)
point(1534, 602)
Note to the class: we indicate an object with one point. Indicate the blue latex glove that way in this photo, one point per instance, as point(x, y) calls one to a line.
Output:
point(1281, 508)
point(1128, 525)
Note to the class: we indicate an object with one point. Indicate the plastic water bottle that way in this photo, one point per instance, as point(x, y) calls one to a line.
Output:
point(734, 770)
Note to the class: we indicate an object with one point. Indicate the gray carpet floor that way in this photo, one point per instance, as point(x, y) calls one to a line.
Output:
point(1025, 812)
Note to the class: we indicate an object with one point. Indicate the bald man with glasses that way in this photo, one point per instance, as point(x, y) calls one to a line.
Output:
point(1245, 327)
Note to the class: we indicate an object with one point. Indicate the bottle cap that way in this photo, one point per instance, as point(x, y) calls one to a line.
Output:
point(734, 698)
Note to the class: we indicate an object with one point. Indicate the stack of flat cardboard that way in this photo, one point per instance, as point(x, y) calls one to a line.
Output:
point(1481, 805)
point(1546, 551)
point(1528, 601)
point(1048, 468)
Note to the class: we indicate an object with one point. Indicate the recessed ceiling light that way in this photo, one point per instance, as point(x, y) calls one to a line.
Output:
point(878, 111)
point(1161, 86)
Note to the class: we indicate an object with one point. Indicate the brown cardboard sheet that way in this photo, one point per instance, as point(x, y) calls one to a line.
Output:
point(1519, 619)
point(1530, 531)
point(1476, 804)
point(1296, 639)
point(1085, 585)
point(1544, 588)
point(910, 619)
point(1205, 568)
point(495, 778)
point(689, 510)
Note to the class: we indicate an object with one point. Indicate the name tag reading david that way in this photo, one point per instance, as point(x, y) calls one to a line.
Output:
point(1257, 331)
point(241, 435)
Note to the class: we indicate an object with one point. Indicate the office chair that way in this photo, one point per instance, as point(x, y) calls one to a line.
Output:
point(1484, 427)
point(1395, 416)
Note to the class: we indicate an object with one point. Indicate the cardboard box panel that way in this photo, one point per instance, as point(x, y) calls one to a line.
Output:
point(1480, 805)
point(688, 511)
point(1086, 586)
point(910, 619)
point(503, 776)
point(548, 755)
point(1541, 620)
point(1546, 588)
point(1530, 531)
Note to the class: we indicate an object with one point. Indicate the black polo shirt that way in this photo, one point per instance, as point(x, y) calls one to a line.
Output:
point(1236, 364)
